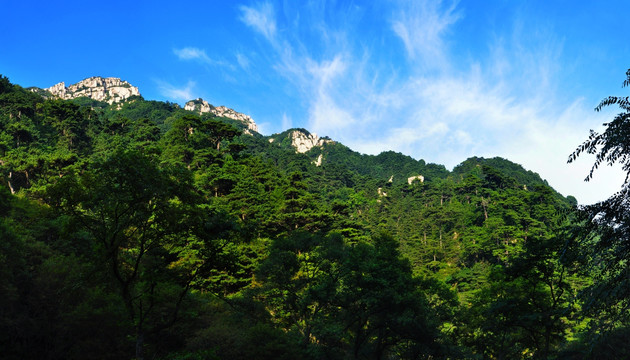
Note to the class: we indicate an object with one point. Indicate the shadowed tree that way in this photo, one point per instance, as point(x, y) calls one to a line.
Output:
point(151, 238)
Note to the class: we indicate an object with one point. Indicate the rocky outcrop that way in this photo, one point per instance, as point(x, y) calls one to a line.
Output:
point(110, 90)
point(303, 142)
point(318, 162)
point(415, 178)
point(381, 194)
point(201, 106)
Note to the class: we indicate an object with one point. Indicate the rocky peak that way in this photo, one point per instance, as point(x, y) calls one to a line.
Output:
point(110, 90)
point(201, 106)
point(304, 141)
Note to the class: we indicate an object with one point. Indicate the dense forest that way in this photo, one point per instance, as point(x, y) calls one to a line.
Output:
point(142, 230)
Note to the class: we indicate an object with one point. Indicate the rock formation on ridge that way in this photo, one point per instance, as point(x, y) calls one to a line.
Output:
point(304, 141)
point(110, 90)
point(201, 106)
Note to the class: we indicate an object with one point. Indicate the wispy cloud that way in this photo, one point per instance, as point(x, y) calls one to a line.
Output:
point(242, 60)
point(196, 54)
point(181, 93)
point(421, 26)
point(287, 123)
point(261, 18)
point(191, 53)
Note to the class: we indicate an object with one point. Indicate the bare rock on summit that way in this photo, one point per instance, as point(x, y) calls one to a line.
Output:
point(110, 90)
point(303, 142)
point(201, 106)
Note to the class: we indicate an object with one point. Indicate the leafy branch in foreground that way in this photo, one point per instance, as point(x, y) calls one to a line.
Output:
point(604, 244)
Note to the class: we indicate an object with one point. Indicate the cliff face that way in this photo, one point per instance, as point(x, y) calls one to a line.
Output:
point(110, 90)
point(201, 106)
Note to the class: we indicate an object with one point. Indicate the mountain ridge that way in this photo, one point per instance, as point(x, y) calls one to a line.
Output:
point(388, 165)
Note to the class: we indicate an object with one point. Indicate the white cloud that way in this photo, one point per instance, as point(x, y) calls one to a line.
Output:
point(261, 18)
point(172, 92)
point(263, 127)
point(326, 116)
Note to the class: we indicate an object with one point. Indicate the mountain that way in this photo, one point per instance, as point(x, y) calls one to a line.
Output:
point(177, 229)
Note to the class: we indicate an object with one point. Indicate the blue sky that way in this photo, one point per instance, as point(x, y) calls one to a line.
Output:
point(437, 80)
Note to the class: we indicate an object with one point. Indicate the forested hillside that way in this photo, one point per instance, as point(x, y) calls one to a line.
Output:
point(140, 229)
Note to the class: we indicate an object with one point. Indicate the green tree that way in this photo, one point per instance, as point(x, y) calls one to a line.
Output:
point(196, 143)
point(301, 210)
point(358, 302)
point(69, 121)
point(298, 282)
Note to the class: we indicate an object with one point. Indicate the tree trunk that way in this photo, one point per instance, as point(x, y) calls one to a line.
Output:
point(9, 182)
